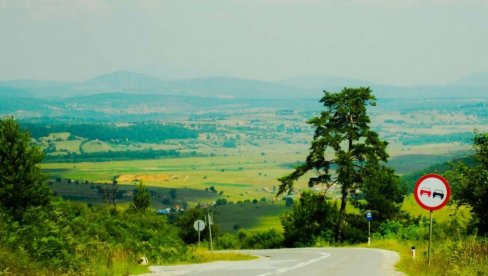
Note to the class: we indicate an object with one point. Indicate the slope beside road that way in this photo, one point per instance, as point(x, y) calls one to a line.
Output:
point(297, 261)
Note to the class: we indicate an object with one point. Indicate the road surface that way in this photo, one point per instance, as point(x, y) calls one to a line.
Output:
point(297, 261)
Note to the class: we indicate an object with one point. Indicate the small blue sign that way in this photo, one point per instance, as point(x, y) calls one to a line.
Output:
point(369, 216)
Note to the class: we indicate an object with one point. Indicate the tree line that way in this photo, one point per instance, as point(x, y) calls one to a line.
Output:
point(144, 132)
point(112, 156)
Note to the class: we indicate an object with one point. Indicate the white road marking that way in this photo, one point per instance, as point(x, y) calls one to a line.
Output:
point(286, 269)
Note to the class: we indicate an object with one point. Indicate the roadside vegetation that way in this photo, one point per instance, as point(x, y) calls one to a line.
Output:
point(41, 234)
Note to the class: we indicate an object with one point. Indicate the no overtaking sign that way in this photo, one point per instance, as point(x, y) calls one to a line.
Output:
point(432, 192)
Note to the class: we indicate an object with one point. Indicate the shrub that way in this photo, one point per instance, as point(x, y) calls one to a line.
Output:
point(260, 240)
point(311, 217)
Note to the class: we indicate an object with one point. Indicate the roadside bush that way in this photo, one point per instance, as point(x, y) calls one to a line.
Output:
point(260, 240)
point(184, 222)
point(228, 241)
point(65, 237)
point(418, 229)
point(311, 218)
point(407, 230)
point(356, 229)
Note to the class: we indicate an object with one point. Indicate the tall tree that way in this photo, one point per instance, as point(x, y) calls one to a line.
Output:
point(342, 139)
point(142, 199)
point(470, 183)
point(21, 182)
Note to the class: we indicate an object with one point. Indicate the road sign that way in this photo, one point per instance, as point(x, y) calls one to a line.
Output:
point(199, 225)
point(369, 216)
point(432, 192)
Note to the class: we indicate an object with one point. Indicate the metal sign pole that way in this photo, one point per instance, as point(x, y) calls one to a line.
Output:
point(198, 233)
point(430, 238)
point(210, 222)
point(369, 232)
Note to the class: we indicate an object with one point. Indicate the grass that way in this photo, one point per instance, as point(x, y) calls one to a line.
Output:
point(119, 263)
point(463, 257)
point(237, 185)
point(70, 146)
point(249, 216)
point(443, 215)
point(203, 255)
point(226, 173)
point(96, 146)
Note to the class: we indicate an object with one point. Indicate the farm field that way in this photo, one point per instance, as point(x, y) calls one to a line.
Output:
point(237, 155)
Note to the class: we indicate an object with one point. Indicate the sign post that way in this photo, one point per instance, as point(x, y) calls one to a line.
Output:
point(369, 218)
point(199, 225)
point(432, 193)
point(210, 222)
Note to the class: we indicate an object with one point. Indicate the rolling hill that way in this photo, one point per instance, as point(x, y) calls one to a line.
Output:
point(306, 87)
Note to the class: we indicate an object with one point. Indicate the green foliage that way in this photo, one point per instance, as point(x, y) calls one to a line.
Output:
point(142, 199)
point(312, 217)
point(462, 137)
point(342, 139)
point(228, 241)
point(260, 240)
point(146, 132)
point(65, 237)
point(402, 231)
point(221, 201)
point(184, 222)
point(382, 193)
point(21, 182)
point(172, 193)
point(112, 156)
point(470, 183)
point(466, 256)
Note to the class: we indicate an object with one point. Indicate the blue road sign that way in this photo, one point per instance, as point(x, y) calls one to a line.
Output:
point(369, 216)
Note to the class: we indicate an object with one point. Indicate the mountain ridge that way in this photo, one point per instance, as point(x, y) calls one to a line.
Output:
point(309, 87)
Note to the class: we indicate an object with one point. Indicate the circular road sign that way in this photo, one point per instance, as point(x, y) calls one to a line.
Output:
point(432, 192)
point(199, 225)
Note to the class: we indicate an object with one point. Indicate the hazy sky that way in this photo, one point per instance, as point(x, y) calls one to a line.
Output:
point(388, 41)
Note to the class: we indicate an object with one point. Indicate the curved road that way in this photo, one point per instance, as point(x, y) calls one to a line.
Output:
point(297, 261)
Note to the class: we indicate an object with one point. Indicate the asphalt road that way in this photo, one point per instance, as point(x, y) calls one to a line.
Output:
point(297, 261)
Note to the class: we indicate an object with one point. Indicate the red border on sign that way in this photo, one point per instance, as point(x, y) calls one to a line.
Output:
point(431, 175)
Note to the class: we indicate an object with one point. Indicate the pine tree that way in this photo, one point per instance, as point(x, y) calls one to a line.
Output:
point(342, 139)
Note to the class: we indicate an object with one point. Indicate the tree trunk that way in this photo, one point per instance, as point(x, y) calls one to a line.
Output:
point(344, 190)
point(342, 215)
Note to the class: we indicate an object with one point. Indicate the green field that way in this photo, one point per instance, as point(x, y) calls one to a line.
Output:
point(239, 155)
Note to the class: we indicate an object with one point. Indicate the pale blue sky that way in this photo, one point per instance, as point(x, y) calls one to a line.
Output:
point(388, 41)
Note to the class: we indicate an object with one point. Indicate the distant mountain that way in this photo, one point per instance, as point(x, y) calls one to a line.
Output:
point(305, 87)
point(473, 80)
point(324, 83)
point(465, 88)
point(234, 88)
point(13, 92)
point(121, 80)
point(32, 83)
point(107, 83)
